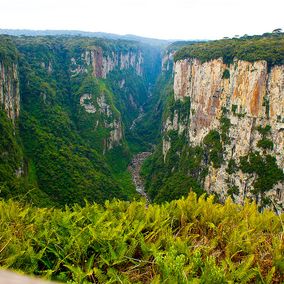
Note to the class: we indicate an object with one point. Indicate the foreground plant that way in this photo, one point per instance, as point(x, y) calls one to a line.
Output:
point(186, 241)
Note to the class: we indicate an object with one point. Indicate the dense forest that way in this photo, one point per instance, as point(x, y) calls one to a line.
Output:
point(63, 158)
point(268, 47)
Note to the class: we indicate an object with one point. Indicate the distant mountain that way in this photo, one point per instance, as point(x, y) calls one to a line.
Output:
point(150, 41)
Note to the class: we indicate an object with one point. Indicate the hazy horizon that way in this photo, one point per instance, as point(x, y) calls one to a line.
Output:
point(181, 19)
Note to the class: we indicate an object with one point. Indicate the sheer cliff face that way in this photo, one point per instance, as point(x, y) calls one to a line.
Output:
point(249, 96)
point(167, 60)
point(100, 63)
point(103, 63)
point(9, 90)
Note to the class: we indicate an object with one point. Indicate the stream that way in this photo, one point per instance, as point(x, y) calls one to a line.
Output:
point(137, 119)
point(134, 168)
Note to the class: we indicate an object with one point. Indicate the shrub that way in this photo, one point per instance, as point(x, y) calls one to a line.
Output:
point(189, 240)
point(226, 74)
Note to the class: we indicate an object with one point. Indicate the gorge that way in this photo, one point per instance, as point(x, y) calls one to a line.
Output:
point(75, 110)
point(89, 125)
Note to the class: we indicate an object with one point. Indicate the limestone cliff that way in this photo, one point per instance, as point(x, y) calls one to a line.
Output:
point(99, 62)
point(9, 90)
point(167, 60)
point(102, 62)
point(248, 97)
point(10, 150)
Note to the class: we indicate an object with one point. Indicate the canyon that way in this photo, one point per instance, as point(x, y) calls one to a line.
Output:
point(86, 108)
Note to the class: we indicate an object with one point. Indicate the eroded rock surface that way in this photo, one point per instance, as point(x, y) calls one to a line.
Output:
point(9, 90)
point(249, 95)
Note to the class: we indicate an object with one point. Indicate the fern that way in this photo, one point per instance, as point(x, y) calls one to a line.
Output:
point(190, 240)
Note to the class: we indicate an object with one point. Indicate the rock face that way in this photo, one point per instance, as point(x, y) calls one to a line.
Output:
point(167, 60)
point(249, 96)
point(9, 90)
point(103, 63)
point(99, 63)
point(99, 105)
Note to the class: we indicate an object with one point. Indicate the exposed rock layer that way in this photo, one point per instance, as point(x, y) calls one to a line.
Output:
point(9, 90)
point(249, 95)
point(102, 63)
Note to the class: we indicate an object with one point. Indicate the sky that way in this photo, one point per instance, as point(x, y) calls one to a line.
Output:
point(164, 19)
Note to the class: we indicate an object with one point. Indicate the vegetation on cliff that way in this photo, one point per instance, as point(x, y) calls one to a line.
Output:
point(8, 50)
point(269, 47)
point(65, 150)
point(186, 241)
point(10, 154)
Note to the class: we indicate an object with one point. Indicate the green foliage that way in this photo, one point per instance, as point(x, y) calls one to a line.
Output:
point(225, 125)
point(268, 47)
point(186, 241)
point(69, 171)
point(182, 170)
point(265, 167)
point(180, 107)
point(265, 144)
point(8, 51)
point(213, 148)
point(88, 122)
point(232, 167)
point(10, 151)
point(234, 108)
point(147, 131)
point(264, 130)
point(63, 144)
point(66, 149)
point(226, 74)
point(233, 190)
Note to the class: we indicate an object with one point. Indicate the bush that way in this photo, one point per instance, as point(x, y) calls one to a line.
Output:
point(213, 148)
point(265, 144)
point(226, 74)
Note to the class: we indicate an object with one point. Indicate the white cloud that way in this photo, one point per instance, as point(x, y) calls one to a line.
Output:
point(182, 19)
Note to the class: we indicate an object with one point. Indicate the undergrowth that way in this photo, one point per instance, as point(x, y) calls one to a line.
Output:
point(186, 241)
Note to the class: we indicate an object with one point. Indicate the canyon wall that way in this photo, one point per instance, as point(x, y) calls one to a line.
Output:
point(244, 101)
point(99, 62)
point(104, 117)
point(103, 62)
point(11, 158)
point(9, 90)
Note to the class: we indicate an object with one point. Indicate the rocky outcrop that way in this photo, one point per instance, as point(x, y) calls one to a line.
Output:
point(248, 95)
point(106, 116)
point(116, 134)
point(102, 62)
point(85, 101)
point(9, 90)
point(167, 60)
point(134, 168)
